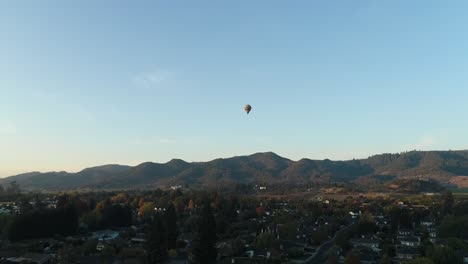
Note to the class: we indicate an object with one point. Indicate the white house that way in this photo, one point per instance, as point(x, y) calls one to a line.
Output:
point(368, 243)
point(410, 241)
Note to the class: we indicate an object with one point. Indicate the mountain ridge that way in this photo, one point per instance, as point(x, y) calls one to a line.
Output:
point(445, 167)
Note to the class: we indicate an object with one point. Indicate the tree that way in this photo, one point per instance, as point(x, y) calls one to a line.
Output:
point(44, 223)
point(456, 243)
point(24, 205)
point(386, 260)
point(366, 224)
point(319, 236)
point(442, 254)
point(424, 233)
point(332, 254)
point(192, 223)
point(196, 251)
point(5, 222)
point(288, 230)
point(342, 240)
point(120, 198)
point(89, 247)
point(13, 187)
point(237, 246)
point(69, 254)
point(420, 261)
point(38, 204)
point(203, 248)
point(179, 203)
point(91, 220)
point(447, 202)
point(63, 200)
point(388, 247)
point(454, 226)
point(108, 250)
point(352, 258)
point(171, 223)
point(265, 241)
point(116, 216)
point(157, 241)
point(191, 204)
point(146, 210)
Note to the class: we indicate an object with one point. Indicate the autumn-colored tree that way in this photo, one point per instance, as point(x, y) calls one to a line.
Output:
point(102, 205)
point(179, 204)
point(260, 210)
point(120, 198)
point(145, 211)
point(141, 202)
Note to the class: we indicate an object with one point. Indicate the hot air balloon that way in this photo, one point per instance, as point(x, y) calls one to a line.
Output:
point(247, 108)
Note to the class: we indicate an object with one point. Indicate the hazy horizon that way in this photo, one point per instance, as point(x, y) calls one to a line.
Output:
point(82, 84)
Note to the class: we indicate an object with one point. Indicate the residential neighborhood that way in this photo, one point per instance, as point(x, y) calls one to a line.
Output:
point(121, 227)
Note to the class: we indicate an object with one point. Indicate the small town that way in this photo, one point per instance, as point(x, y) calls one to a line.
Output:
point(177, 226)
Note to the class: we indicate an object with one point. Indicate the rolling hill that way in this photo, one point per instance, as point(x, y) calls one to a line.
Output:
point(445, 167)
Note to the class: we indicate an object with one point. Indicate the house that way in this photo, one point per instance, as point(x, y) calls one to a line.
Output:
point(297, 244)
point(139, 238)
point(31, 258)
point(368, 257)
point(372, 244)
point(405, 232)
point(105, 235)
point(98, 259)
point(100, 246)
point(427, 223)
point(432, 234)
point(405, 253)
point(419, 206)
point(16, 260)
point(354, 215)
point(248, 254)
point(5, 211)
point(465, 258)
point(411, 241)
point(262, 254)
point(38, 258)
point(229, 248)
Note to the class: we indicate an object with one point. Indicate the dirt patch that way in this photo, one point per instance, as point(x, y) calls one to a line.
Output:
point(460, 181)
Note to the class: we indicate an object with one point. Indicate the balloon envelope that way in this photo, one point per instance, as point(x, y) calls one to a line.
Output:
point(247, 108)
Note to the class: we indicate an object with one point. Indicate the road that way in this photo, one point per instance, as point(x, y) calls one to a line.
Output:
point(319, 256)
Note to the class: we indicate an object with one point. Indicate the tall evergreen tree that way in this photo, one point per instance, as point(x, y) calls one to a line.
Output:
point(171, 223)
point(203, 249)
point(196, 251)
point(157, 241)
point(447, 202)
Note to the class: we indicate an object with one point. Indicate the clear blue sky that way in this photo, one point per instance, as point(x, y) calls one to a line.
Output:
point(86, 83)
